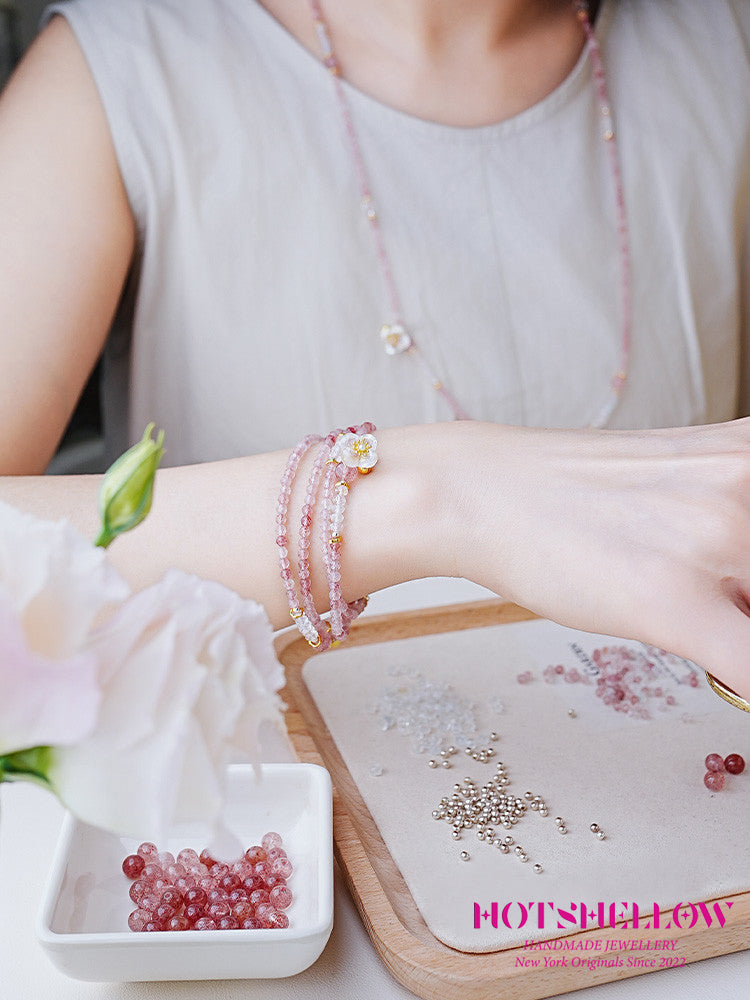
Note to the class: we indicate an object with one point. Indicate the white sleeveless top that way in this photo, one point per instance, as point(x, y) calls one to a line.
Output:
point(256, 299)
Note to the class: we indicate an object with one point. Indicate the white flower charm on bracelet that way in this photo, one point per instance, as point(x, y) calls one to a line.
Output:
point(356, 451)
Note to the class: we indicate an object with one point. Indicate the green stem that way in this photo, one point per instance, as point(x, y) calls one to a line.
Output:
point(106, 537)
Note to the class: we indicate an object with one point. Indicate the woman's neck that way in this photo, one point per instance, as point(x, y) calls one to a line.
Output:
point(458, 62)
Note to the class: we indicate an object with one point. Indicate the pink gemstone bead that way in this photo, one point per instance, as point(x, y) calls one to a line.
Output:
point(138, 890)
point(194, 912)
point(714, 762)
point(243, 910)
point(138, 919)
point(165, 859)
point(277, 919)
point(734, 763)
point(282, 866)
point(172, 897)
point(187, 857)
point(249, 924)
point(714, 780)
point(255, 854)
point(147, 850)
point(133, 865)
point(258, 896)
point(263, 911)
point(280, 897)
point(178, 923)
point(205, 924)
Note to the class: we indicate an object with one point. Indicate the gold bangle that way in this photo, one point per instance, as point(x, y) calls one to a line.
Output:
point(727, 693)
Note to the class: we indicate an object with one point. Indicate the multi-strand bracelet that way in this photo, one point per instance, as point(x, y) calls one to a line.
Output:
point(342, 457)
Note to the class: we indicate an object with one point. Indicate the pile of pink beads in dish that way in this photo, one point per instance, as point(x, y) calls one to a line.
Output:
point(717, 767)
point(196, 892)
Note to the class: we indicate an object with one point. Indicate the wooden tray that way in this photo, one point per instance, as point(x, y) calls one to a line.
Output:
point(414, 956)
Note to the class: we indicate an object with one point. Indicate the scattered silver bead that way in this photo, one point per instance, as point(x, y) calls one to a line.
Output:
point(600, 834)
point(464, 855)
point(594, 828)
point(572, 713)
point(538, 869)
point(494, 736)
point(455, 834)
point(432, 763)
point(445, 763)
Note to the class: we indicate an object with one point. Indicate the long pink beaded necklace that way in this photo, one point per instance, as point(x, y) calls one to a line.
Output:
point(394, 334)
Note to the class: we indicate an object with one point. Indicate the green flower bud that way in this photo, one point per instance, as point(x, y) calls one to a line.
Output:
point(128, 487)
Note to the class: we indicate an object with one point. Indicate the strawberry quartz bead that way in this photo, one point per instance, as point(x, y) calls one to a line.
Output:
point(138, 890)
point(205, 924)
point(714, 780)
point(282, 866)
point(277, 919)
point(178, 923)
point(734, 764)
point(255, 854)
point(714, 762)
point(193, 912)
point(148, 851)
point(280, 897)
point(133, 865)
point(271, 839)
point(138, 919)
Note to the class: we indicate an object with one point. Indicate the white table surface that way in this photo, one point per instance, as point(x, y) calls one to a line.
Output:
point(349, 968)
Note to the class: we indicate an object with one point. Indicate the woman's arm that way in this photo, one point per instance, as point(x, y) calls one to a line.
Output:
point(637, 534)
point(66, 246)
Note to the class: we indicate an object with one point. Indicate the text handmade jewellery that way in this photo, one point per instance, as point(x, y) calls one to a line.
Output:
point(343, 456)
point(394, 333)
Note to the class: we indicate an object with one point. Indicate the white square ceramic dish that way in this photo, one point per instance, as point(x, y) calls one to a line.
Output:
point(83, 925)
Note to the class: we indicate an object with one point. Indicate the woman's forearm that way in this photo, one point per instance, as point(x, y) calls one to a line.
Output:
point(217, 520)
point(642, 534)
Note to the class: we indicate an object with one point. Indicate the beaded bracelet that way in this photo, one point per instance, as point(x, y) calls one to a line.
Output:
point(345, 455)
point(302, 622)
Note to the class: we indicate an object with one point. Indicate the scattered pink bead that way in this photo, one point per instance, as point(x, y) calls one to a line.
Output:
point(714, 780)
point(734, 763)
point(714, 762)
point(525, 678)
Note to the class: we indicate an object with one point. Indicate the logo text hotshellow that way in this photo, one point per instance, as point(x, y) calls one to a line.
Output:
point(543, 914)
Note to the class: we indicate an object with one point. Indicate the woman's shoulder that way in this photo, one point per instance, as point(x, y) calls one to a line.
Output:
point(133, 19)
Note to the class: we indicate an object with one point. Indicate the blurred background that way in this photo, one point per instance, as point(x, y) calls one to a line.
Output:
point(82, 449)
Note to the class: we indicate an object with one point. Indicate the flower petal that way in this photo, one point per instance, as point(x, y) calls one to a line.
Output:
point(42, 701)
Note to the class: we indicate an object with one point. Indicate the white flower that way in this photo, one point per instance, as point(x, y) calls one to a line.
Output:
point(357, 451)
point(53, 586)
point(189, 676)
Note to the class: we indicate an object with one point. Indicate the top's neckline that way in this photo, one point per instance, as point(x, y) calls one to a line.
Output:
point(295, 52)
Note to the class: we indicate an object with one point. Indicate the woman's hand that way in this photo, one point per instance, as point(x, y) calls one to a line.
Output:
point(641, 534)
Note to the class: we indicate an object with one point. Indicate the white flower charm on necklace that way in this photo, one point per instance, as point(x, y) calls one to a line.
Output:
point(395, 338)
point(356, 451)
